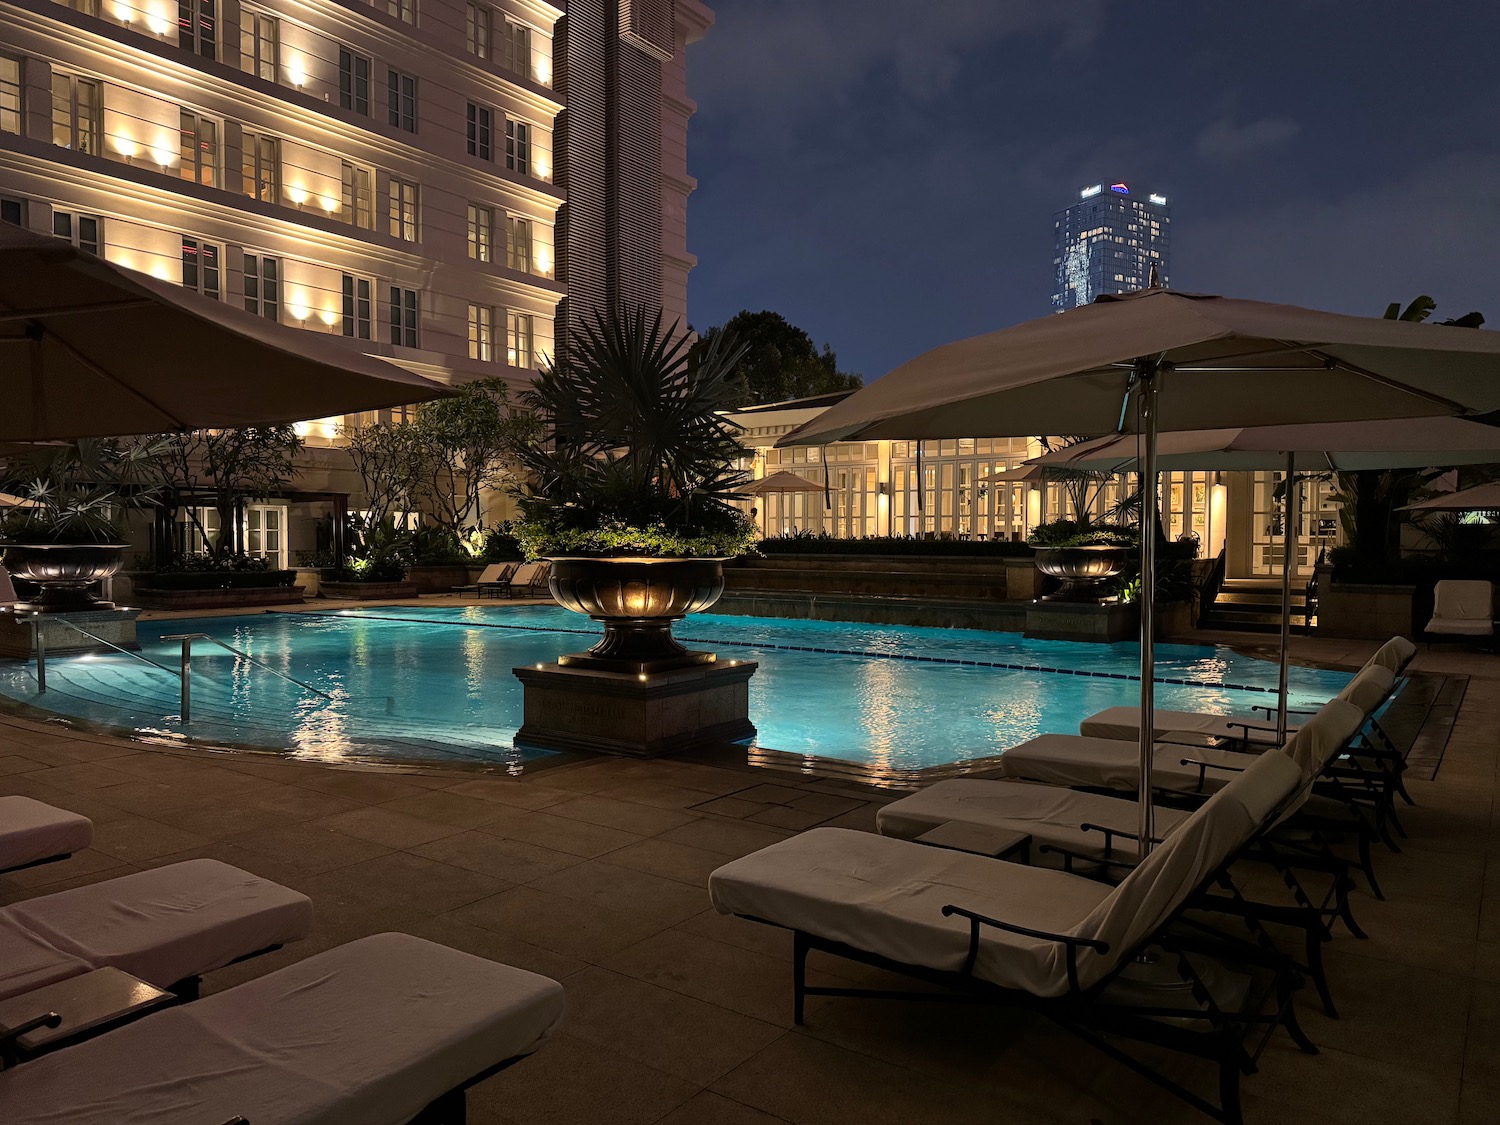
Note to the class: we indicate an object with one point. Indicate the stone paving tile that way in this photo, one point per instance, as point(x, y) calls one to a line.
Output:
point(597, 883)
point(511, 860)
point(561, 834)
point(382, 826)
point(628, 816)
point(422, 885)
point(136, 839)
point(302, 845)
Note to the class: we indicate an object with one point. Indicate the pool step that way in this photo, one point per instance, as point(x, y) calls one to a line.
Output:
point(1253, 605)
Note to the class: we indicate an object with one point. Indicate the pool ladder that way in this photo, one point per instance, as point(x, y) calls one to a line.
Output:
point(183, 674)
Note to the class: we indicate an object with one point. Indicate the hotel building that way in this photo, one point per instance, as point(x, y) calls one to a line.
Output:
point(1108, 242)
point(443, 182)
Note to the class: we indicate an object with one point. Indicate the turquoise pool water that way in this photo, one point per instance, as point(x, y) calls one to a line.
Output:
point(436, 683)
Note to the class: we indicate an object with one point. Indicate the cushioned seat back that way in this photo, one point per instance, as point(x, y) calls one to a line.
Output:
point(1323, 736)
point(525, 574)
point(1151, 893)
point(1395, 654)
point(1463, 601)
point(1368, 690)
point(492, 573)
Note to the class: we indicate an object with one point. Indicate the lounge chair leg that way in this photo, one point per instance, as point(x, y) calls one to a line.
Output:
point(800, 947)
point(1229, 1093)
point(1286, 992)
point(1346, 911)
point(1369, 866)
point(1318, 973)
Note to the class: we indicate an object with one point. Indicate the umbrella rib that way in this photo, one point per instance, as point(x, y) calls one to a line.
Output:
point(73, 310)
point(177, 423)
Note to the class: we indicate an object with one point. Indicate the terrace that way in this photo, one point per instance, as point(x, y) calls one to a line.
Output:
point(594, 873)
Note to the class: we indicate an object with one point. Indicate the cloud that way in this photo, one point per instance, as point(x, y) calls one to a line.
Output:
point(777, 54)
point(1432, 231)
point(1224, 142)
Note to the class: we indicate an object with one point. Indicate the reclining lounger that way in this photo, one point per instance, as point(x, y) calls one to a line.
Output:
point(1034, 937)
point(167, 926)
point(1075, 825)
point(1256, 731)
point(375, 1032)
point(33, 833)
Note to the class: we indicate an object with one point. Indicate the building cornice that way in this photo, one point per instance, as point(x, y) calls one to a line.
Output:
point(694, 18)
point(684, 184)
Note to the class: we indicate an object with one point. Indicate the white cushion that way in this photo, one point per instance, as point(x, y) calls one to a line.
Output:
point(169, 923)
point(1462, 626)
point(1463, 600)
point(369, 1032)
point(1050, 815)
point(1110, 763)
point(1368, 689)
point(28, 961)
point(1395, 654)
point(31, 830)
point(1125, 723)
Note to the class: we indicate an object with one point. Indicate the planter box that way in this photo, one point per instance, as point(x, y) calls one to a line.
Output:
point(116, 626)
point(1023, 581)
point(244, 596)
point(1355, 610)
point(370, 591)
point(442, 579)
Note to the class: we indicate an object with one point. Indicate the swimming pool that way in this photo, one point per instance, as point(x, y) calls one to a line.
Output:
point(407, 683)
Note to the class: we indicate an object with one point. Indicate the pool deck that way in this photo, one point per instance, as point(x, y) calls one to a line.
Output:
point(595, 873)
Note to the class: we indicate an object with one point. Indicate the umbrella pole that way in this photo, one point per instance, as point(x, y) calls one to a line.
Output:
point(1146, 372)
point(1288, 544)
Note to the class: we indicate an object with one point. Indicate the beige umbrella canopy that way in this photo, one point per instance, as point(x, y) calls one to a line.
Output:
point(9, 501)
point(1157, 360)
point(781, 482)
point(1480, 498)
point(89, 349)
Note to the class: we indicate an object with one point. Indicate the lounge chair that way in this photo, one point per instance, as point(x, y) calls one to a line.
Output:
point(1255, 730)
point(377, 1032)
point(492, 575)
point(1111, 763)
point(33, 833)
point(1071, 826)
point(167, 925)
point(516, 582)
point(1462, 610)
point(1037, 938)
point(529, 581)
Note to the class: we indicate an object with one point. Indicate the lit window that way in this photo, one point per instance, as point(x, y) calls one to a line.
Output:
point(358, 196)
point(518, 352)
point(354, 82)
point(81, 230)
point(518, 244)
point(263, 286)
point(477, 30)
point(200, 267)
point(479, 132)
point(481, 333)
point(403, 10)
point(260, 38)
point(402, 99)
point(517, 47)
point(518, 146)
point(401, 210)
point(195, 26)
point(10, 95)
point(77, 109)
point(357, 304)
point(260, 167)
point(481, 232)
point(403, 316)
point(198, 149)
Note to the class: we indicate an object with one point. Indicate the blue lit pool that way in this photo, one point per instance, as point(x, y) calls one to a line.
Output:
point(436, 683)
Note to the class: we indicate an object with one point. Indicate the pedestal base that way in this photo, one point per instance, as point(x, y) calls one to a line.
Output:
point(114, 625)
point(642, 716)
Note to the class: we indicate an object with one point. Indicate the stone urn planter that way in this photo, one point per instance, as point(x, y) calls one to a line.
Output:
point(1083, 570)
point(64, 571)
point(637, 600)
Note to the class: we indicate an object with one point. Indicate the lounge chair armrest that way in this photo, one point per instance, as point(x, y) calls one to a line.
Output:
point(1083, 857)
point(1069, 943)
point(11, 1038)
point(1197, 741)
point(1109, 836)
point(1204, 767)
point(1270, 709)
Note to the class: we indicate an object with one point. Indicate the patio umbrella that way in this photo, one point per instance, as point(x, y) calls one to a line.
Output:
point(1480, 498)
point(90, 349)
point(9, 501)
point(1183, 361)
point(781, 482)
point(1333, 446)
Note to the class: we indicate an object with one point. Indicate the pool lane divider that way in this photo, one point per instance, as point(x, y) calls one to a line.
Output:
point(911, 657)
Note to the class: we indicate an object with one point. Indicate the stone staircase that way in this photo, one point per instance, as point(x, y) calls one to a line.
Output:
point(1253, 605)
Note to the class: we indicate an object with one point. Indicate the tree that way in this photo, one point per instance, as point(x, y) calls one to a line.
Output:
point(228, 467)
point(780, 361)
point(458, 447)
point(1369, 499)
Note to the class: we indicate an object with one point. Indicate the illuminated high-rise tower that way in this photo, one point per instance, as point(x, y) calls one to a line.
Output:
point(1107, 242)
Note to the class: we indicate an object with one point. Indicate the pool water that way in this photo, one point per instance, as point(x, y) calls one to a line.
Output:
point(408, 683)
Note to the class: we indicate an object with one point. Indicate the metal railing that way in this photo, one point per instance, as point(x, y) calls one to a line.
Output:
point(183, 674)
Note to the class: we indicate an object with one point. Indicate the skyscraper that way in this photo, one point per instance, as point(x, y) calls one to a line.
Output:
point(1107, 242)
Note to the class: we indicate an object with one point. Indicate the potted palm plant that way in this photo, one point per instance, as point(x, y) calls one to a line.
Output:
point(626, 487)
point(68, 536)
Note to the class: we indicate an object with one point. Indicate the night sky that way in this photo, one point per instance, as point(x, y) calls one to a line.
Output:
point(885, 174)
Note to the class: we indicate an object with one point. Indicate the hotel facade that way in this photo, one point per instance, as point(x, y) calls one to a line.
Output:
point(444, 183)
